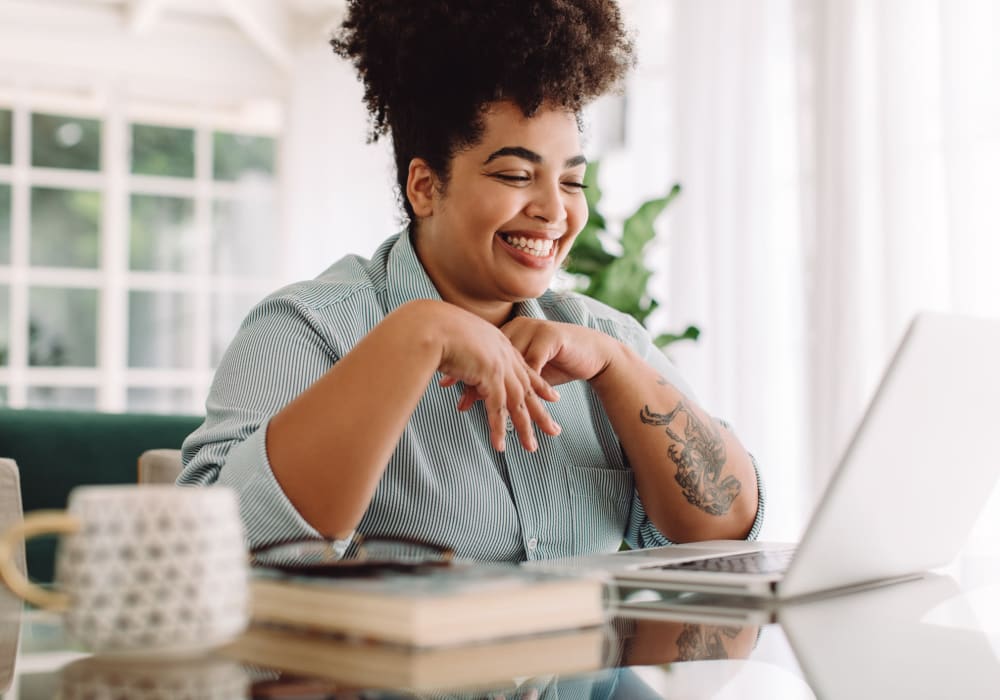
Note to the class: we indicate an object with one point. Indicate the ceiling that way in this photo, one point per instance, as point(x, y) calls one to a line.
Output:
point(275, 27)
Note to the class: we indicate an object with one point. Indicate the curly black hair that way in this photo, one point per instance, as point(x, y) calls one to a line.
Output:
point(430, 67)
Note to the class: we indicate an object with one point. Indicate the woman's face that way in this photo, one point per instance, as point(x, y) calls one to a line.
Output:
point(509, 214)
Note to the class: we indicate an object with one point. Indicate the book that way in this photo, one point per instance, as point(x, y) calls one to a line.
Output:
point(430, 606)
point(361, 664)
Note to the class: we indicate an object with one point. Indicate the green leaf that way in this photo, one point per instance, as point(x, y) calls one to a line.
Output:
point(638, 229)
point(587, 257)
point(665, 339)
point(623, 285)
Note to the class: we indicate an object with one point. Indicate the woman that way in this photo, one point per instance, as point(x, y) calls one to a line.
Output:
point(383, 397)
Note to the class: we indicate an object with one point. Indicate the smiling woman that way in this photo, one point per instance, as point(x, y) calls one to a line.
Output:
point(379, 398)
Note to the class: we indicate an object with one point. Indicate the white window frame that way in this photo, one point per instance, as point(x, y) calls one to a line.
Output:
point(112, 278)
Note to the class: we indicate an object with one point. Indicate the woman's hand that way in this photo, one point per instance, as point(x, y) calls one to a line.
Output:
point(561, 352)
point(480, 356)
point(555, 352)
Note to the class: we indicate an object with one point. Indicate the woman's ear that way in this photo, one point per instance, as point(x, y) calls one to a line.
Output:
point(421, 186)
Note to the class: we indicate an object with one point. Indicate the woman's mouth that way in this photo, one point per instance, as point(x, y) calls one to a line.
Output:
point(536, 247)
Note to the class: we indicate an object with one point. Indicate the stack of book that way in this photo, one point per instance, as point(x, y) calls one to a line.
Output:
point(427, 629)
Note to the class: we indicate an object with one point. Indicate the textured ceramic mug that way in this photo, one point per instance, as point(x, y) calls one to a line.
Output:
point(142, 569)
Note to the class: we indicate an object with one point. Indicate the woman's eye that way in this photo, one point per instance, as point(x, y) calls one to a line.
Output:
point(512, 178)
point(575, 185)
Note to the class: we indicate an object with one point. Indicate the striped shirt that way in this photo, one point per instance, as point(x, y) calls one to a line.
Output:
point(444, 482)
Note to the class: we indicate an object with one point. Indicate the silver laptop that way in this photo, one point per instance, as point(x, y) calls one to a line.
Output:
point(907, 491)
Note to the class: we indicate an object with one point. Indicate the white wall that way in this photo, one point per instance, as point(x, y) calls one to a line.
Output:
point(339, 190)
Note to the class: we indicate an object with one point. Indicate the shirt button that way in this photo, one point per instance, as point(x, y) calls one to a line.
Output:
point(510, 425)
point(532, 544)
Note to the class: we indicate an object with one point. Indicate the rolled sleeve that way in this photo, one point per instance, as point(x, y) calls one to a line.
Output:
point(268, 514)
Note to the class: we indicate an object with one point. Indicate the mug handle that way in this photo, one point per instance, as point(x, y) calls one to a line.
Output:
point(40, 522)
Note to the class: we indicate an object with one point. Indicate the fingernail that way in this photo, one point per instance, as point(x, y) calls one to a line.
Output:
point(556, 393)
point(532, 444)
point(558, 428)
point(503, 445)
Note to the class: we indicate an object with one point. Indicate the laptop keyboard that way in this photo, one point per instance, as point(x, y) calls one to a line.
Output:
point(766, 562)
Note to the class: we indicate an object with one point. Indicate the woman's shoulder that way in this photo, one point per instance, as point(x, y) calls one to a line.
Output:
point(350, 277)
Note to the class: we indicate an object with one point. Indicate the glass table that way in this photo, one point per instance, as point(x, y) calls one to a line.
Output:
point(934, 637)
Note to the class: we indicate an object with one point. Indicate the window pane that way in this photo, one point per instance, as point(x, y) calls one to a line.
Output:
point(160, 329)
point(65, 227)
point(4, 224)
point(159, 150)
point(6, 136)
point(142, 399)
point(69, 398)
point(4, 325)
point(62, 327)
point(244, 236)
point(239, 155)
point(228, 312)
point(163, 235)
point(65, 142)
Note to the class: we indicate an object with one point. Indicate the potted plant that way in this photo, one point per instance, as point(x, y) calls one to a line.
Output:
point(620, 279)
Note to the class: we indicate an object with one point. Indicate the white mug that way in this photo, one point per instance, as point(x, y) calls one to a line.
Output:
point(142, 569)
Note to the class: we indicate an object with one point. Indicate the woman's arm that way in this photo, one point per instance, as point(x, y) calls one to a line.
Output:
point(695, 479)
point(329, 446)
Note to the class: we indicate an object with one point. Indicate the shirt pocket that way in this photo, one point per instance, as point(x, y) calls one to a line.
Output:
point(600, 500)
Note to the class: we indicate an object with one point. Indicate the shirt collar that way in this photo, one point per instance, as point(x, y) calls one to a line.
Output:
point(406, 279)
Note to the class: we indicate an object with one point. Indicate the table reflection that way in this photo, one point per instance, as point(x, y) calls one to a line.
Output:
point(917, 640)
point(110, 678)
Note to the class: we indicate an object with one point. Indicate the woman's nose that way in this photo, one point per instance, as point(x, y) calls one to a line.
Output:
point(547, 205)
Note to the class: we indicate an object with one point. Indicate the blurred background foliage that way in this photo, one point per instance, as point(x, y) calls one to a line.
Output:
point(611, 267)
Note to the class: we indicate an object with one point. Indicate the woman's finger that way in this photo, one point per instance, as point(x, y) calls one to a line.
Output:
point(540, 415)
point(468, 399)
point(541, 387)
point(495, 398)
point(520, 416)
point(497, 417)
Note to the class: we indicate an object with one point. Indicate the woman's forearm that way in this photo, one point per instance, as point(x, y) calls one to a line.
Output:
point(695, 479)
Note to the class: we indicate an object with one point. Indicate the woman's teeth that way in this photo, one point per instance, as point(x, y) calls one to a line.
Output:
point(539, 247)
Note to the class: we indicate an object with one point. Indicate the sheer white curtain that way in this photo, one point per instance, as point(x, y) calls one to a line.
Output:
point(841, 169)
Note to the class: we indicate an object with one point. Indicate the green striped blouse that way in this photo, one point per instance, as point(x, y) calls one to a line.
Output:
point(444, 482)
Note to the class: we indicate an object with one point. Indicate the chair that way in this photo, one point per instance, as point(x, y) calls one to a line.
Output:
point(10, 500)
point(160, 466)
point(10, 607)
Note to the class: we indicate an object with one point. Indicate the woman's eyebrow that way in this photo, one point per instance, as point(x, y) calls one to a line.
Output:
point(530, 156)
point(517, 152)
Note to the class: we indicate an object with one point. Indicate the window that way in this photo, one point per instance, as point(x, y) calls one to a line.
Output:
point(130, 250)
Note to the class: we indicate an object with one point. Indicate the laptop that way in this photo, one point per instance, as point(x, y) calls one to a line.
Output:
point(903, 498)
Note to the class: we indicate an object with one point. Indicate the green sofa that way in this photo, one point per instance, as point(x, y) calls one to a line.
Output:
point(56, 451)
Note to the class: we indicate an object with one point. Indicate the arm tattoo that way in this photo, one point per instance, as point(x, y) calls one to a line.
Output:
point(699, 455)
point(697, 642)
